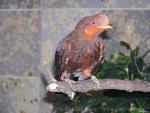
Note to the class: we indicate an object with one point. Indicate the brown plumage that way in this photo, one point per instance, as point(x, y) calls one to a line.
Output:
point(82, 51)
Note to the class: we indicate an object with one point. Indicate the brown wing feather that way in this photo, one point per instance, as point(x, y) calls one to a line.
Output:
point(58, 65)
point(100, 52)
point(60, 57)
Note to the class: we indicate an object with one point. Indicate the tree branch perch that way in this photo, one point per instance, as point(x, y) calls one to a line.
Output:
point(90, 85)
point(105, 84)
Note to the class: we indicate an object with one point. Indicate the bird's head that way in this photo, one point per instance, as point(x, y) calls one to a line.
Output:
point(92, 26)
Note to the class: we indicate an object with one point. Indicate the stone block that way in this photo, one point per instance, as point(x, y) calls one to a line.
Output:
point(19, 4)
point(96, 3)
point(19, 42)
point(19, 94)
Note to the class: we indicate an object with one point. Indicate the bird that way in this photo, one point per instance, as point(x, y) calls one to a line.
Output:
point(81, 52)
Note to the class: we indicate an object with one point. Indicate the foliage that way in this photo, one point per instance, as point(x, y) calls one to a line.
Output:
point(125, 66)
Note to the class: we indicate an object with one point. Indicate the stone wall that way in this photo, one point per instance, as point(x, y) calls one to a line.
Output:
point(30, 31)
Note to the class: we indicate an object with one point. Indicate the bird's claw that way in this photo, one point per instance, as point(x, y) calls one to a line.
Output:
point(95, 81)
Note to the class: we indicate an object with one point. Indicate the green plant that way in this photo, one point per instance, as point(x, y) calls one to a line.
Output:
point(125, 66)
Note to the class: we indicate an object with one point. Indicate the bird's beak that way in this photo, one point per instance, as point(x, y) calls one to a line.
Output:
point(105, 27)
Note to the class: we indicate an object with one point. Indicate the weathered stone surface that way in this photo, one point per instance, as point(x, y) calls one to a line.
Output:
point(96, 3)
point(19, 94)
point(19, 4)
point(19, 42)
point(131, 26)
point(29, 4)
point(5, 102)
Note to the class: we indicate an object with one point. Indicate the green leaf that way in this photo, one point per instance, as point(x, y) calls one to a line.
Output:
point(122, 59)
point(134, 53)
point(136, 67)
point(138, 110)
point(125, 44)
point(76, 101)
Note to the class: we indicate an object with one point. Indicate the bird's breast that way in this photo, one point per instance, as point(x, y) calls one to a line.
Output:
point(83, 55)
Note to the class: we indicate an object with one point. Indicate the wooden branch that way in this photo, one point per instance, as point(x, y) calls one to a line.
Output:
point(104, 84)
point(70, 87)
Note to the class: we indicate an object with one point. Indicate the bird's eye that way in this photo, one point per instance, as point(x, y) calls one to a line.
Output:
point(93, 22)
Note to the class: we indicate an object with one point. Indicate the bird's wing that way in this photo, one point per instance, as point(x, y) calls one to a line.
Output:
point(60, 58)
point(100, 54)
point(101, 51)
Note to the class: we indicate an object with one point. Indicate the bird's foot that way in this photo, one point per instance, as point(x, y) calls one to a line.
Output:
point(95, 81)
point(69, 81)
